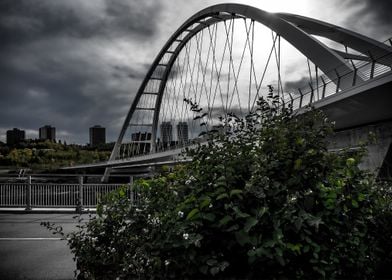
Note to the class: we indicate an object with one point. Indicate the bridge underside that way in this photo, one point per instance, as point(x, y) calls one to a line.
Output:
point(367, 103)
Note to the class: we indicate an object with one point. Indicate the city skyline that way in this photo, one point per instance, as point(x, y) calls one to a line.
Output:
point(86, 66)
point(97, 133)
point(48, 132)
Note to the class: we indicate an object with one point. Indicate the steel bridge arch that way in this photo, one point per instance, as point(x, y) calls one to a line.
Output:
point(295, 29)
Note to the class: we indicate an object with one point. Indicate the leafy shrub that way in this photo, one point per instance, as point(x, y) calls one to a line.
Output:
point(266, 199)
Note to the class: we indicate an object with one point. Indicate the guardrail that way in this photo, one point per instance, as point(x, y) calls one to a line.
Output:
point(321, 86)
point(30, 194)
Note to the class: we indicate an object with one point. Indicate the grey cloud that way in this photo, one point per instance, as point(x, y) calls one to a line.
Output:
point(293, 86)
point(369, 17)
point(60, 63)
point(380, 10)
point(137, 16)
point(122, 71)
point(24, 20)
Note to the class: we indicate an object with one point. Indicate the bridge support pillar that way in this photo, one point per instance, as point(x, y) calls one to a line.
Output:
point(379, 153)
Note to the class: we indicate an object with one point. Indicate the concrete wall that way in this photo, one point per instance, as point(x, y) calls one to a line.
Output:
point(378, 157)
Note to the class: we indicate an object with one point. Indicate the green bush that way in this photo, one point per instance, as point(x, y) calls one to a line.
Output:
point(266, 199)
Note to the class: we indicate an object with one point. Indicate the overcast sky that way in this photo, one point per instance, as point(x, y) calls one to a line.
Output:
point(77, 63)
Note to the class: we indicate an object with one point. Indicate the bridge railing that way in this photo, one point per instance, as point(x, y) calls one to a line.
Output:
point(30, 194)
point(321, 86)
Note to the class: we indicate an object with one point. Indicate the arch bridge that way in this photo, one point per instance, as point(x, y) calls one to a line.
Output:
point(224, 57)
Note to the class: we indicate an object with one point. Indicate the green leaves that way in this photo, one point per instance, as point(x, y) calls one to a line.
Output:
point(205, 202)
point(250, 223)
point(297, 164)
point(242, 237)
point(225, 220)
point(222, 196)
point(192, 214)
point(236, 192)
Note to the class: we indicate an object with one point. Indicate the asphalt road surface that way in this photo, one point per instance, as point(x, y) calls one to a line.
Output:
point(30, 251)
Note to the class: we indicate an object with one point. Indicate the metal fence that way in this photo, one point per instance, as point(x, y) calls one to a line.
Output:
point(30, 194)
point(322, 86)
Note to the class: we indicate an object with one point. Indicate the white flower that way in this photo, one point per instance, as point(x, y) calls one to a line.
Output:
point(210, 206)
point(180, 214)
point(122, 229)
point(155, 221)
point(190, 180)
point(309, 191)
point(185, 236)
point(167, 262)
point(113, 250)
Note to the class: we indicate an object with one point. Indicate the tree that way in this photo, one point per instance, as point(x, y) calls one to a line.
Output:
point(265, 200)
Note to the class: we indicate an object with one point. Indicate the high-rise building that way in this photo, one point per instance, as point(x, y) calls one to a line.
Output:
point(182, 133)
point(166, 133)
point(47, 132)
point(15, 136)
point(97, 135)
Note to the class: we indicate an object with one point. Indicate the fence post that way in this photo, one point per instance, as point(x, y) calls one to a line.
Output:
point(79, 206)
point(324, 87)
point(311, 93)
point(131, 189)
point(28, 194)
point(338, 83)
point(372, 65)
point(291, 99)
point(300, 101)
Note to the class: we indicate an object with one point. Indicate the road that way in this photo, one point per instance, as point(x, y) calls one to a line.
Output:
point(30, 251)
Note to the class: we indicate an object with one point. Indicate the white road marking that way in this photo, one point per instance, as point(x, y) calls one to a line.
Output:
point(30, 238)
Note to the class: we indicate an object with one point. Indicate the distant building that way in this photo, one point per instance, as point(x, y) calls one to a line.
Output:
point(97, 135)
point(15, 136)
point(47, 132)
point(182, 133)
point(166, 133)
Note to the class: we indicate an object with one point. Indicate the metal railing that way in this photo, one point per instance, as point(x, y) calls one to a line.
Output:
point(321, 86)
point(30, 194)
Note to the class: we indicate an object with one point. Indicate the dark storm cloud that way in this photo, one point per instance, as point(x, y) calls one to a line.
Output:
point(371, 17)
point(25, 20)
point(60, 64)
point(123, 71)
point(380, 10)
